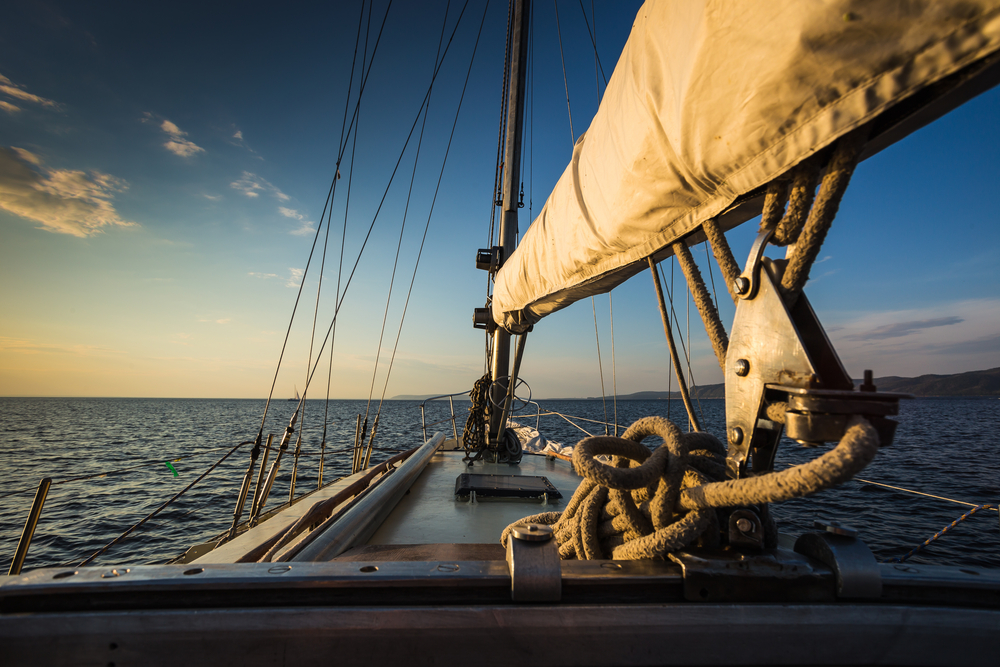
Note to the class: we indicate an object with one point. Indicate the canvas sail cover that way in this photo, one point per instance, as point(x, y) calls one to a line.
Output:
point(712, 99)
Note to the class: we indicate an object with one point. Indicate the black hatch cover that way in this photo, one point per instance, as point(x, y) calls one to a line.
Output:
point(504, 486)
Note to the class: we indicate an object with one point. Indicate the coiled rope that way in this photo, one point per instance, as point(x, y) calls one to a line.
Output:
point(647, 504)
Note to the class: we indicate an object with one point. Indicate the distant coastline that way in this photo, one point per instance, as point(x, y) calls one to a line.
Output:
point(972, 383)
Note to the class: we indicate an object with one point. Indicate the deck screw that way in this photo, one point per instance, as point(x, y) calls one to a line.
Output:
point(744, 525)
point(742, 367)
point(742, 285)
point(736, 435)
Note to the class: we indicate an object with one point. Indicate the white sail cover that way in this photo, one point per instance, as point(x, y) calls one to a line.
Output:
point(712, 99)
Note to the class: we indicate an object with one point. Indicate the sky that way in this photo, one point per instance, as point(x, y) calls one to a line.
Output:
point(163, 174)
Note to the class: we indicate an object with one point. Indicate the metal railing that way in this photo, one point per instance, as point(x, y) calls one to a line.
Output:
point(451, 404)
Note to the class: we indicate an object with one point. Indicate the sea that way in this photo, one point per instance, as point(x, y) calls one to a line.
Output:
point(113, 461)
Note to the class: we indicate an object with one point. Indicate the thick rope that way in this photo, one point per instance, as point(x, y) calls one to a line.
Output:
point(703, 300)
point(723, 255)
point(800, 200)
point(835, 181)
point(647, 504)
point(474, 435)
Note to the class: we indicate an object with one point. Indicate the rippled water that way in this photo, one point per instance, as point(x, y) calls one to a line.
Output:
point(946, 447)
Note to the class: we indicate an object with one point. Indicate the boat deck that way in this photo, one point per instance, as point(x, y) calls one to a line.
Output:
point(430, 513)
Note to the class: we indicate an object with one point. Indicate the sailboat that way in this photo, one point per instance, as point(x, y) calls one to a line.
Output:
point(656, 547)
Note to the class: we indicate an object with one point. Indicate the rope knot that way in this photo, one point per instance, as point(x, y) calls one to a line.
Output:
point(641, 503)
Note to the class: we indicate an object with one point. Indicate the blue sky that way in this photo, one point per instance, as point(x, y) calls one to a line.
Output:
point(162, 170)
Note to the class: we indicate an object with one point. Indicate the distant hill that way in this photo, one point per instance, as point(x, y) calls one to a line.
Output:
point(424, 397)
point(973, 383)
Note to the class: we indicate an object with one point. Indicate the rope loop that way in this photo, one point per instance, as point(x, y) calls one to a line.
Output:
point(648, 503)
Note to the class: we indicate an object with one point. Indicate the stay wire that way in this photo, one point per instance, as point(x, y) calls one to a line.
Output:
point(593, 41)
point(385, 194)
point(402, 227)
point(687, 357)
point(572, 134)
point(312, 249)
point(437, 188)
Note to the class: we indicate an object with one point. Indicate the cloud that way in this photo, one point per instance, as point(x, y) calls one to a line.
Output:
point(11, 89)
point(307, 225)
point(900, 329)
point(62, 200)
point(252, 185)
point(238, 136)
point(212, 197)
point(947, 337)
point(293, 280)
point(177, 144)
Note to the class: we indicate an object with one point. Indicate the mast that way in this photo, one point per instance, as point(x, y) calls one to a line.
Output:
point(518, 55)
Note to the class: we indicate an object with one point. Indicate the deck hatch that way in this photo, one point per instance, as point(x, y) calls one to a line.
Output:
point(504, 486)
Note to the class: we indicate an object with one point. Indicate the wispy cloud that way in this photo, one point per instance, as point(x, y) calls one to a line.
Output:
point(293, 280)
point(175, 143)
point(62, 200)
point(947, 337)
point(25, 346)
point(306, 226)
point(212, 197)
point(17, 92)
point(899, 329)
point(253, 185)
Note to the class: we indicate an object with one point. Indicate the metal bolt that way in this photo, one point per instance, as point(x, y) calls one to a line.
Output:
point(533, 532)
point(742, 285)
point(742, 367)
point(736, 435)
point(744, 525)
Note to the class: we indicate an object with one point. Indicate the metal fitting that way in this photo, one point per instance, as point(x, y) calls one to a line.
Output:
point(742, 367)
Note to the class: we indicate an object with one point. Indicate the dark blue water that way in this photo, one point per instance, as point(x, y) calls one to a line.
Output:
point(946, 447)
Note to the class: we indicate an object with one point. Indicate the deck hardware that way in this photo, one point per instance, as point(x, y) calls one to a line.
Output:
point(483, 486)
point(63, 575)
point(742, 367)
point(746, 529)
point(535, 568)
point(368, 568)
point(852, 562)
point(748, 282)
point(736, 436)
point(194, 570)
point(279, 569)
point(116, 573)
point(835, 528)
point(728, 576)
point(448, 567)
point(611, 566)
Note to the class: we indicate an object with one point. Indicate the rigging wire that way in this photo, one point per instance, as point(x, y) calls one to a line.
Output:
point(386, 192)
point(329, 200)
point(431, 211)
point(593, 41)
point(402, 227)
point(572, 134)
point(687, 355)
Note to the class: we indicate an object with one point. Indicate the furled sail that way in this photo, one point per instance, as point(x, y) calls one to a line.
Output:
point(713, 99)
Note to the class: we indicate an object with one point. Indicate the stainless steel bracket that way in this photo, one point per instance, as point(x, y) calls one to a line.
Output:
point(535, 568)
point(852, 562)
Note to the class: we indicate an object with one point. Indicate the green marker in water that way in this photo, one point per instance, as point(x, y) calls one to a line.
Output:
point(172, 468)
